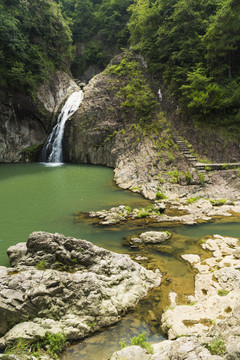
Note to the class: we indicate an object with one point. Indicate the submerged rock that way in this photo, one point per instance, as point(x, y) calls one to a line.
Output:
point(67, 285)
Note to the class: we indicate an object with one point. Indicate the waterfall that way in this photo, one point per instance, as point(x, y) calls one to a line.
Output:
point(52, 150)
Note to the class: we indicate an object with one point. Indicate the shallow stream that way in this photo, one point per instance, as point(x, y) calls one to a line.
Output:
point(37, 197)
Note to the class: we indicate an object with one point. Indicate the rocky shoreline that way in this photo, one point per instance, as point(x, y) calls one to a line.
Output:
point(207, 327)
point(188, 212)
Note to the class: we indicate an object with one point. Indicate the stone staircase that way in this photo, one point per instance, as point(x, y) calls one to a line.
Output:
point(185, 150)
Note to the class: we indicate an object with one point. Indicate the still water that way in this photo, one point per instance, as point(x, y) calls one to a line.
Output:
point(37, 197)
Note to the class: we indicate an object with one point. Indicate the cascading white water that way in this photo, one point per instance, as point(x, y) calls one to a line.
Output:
point(52, 150)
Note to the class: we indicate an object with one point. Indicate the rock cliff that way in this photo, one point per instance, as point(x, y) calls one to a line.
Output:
point(109, 129)
point(24, 121)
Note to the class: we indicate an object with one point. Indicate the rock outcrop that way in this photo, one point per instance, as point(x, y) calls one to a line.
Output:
point(144, 159)
point(63, 284)
point(103, 131)
point(24, 122)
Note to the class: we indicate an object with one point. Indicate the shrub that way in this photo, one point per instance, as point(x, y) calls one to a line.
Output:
point(208, 168)
point(201, 177)
point(216, 347)
point(192, 200)
point(188, 177)
point(223, 292)
point(139, 340)
point(160, 196)
point(42, 265)
point(53, 344)
point(128, 209)
point(219, 202)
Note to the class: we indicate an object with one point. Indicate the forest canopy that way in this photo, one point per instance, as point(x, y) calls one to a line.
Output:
point(191, 46)
point(194, 47)
point(34, 40)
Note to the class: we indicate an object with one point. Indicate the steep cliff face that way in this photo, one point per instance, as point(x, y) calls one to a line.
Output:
point(24, 122)
point(106, 131)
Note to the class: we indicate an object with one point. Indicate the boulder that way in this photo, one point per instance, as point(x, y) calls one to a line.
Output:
point(63, 284)
point(16, 252)
point(153, 237)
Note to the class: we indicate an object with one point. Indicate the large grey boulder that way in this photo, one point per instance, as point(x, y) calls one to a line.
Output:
point(67, 285)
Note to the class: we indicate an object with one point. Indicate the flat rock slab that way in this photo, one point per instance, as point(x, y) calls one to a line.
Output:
point(217, 290)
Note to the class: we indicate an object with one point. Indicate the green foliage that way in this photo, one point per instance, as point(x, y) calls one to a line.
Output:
point(223, 292)
point(201, 177)
point(42, 265)
point(34, 40)
point(160, 196)
point(92, 325)
point(52, 344)
point(219, 202)
point(188, 177)
point(139, 340)
point(128, 209)
point(195, 45)
point(99, 30)
point(142, 214)
point(192, 200)
point(208, 168)
point(20, 347)
point(216, 346)
point(135, 93)
point(175, 174)
point(146, 212)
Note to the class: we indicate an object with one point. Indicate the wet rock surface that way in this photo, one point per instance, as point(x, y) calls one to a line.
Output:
point(199, 209)
point(208, 326)
point(63, 284)
point(217, 290)
point(24, 121)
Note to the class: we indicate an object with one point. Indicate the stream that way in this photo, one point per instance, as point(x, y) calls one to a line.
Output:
point(38, 197)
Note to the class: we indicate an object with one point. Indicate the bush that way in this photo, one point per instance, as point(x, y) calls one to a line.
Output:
point(192, 200)
point(188, 177)
point(201, 177)
point(223, 292)
point(42, 265)
point(216, 346)
point(139, 340)
point(219, 202)
point(160, 196)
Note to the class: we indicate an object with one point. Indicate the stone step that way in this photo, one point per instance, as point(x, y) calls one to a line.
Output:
point(200, 167)
point(190, 156)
